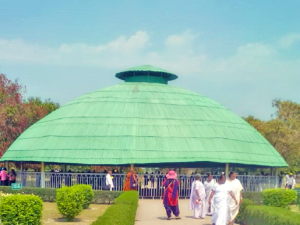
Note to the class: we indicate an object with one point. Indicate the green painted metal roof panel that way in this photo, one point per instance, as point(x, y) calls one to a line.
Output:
point(143, 123)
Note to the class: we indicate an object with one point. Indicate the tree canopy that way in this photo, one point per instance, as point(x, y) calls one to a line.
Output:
point(17, 113)
point(283, 132)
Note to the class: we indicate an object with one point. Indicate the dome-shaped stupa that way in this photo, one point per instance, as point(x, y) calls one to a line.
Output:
point(146, 122)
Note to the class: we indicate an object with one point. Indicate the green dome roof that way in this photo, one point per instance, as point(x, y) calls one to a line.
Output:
point(143, 123)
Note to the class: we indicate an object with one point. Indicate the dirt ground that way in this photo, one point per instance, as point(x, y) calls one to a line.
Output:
point(52, 216)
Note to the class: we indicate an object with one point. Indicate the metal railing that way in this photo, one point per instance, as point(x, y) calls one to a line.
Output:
point(149, 185)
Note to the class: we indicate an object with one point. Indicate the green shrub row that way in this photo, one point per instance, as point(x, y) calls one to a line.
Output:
point(49, 194)
point(123, 212)
point(241, 217)
point(21, 209)
point(267, 215)
point(254, 196)
point(278, 197)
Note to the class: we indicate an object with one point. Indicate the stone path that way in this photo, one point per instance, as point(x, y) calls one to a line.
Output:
point(152, 212)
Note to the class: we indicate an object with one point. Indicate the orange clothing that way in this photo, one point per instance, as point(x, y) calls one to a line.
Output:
point(131, 183)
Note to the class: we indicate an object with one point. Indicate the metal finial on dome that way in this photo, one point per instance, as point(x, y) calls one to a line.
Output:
point(146, 73)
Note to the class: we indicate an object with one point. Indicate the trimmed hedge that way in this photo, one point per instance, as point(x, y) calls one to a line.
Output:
point(278, 197)
point(123, 212)
point(88, 194)
point(69, 201)
point(21, 209)
point(49, 194)
point(241, 217)
point(254, 196)
point(267, 215)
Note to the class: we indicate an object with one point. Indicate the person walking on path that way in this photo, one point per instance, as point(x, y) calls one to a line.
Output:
point(197, 198)
point(237, 188)
point(109, 181)
point(220, 195)
point(170, 197)
point(208, 185)
point(131, 182)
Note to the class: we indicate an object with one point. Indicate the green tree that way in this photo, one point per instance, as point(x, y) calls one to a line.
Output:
point(283, 132)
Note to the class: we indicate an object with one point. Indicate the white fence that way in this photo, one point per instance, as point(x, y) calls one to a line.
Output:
point(150, 185)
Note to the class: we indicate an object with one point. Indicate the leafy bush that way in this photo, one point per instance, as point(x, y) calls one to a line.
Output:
point(21, 209)
point(49, 194)
point(125, 209)
point(278, 197)
point(254, 196)
point(69, 201)
point(88, 194)
point(46, 194)
point(241, 216)
point(266, 215)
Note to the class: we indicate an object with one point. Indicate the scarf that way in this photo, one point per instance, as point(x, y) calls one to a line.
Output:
point(175, 190)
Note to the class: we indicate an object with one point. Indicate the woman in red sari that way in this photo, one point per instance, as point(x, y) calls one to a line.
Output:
point(131, 181)
point(170, 198)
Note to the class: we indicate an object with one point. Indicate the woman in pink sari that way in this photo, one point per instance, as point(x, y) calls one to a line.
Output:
point(170, 198)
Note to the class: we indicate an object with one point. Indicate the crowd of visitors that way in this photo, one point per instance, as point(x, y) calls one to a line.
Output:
point(7, 178)
point(221, 199)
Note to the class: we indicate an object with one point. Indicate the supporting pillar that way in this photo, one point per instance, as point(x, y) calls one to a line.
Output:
point(42, 175)
point(277, 178)
point(7, 166)
point(227, 170)
point(21, 166)
point(64, 168)
point(131, 166)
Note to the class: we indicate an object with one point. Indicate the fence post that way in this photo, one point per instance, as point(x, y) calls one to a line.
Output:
point(42, 175)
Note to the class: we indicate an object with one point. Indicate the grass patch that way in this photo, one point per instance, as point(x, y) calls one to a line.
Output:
point(123, 212)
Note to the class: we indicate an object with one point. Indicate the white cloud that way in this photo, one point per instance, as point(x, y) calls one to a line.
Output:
point(180, 54)
point(288, 40)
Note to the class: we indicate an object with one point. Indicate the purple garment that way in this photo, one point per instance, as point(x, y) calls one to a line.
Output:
point(132, 183)
point(175, 190)
point(170, 209)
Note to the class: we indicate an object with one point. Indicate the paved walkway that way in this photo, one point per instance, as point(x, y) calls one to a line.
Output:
point(152, 212)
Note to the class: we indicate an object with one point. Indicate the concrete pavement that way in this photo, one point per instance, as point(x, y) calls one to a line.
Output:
point(152, 212)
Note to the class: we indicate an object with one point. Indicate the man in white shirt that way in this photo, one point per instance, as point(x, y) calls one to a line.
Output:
point(109, 181)
point(290, 182)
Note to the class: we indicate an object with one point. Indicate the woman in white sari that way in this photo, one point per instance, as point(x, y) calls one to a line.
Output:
point(208, 185)
point(221, 192)
point(237, 188)
point(197, 198)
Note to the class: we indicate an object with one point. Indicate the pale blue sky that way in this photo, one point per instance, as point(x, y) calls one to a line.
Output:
point(242, 54)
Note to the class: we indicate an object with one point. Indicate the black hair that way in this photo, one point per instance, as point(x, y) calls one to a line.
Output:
point(13, 172)
point(208, 174)
point(232, 172)
point(221, 176)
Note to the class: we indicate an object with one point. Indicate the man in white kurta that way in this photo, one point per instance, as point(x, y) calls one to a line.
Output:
point(109, 181)
point(208, 185)
point(236, 187)
point(197, 198)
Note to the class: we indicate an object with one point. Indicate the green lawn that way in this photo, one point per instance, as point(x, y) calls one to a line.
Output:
point(295, 208)
point(52, 216)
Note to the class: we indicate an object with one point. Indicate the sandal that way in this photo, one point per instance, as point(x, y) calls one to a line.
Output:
point(169, 218)
point(177, 218)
